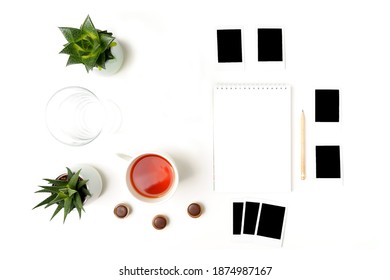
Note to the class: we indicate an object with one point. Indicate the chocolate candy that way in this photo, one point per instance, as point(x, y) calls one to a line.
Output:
point(160, 222)
point(194, 210)
point(121, 210)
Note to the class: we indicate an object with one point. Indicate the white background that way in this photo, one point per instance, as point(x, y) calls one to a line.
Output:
point(164, 90)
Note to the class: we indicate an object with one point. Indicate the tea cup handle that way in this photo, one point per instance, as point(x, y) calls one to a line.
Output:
point(124, 156)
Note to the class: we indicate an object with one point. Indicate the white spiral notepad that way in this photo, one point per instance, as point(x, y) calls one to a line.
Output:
point(252, 138)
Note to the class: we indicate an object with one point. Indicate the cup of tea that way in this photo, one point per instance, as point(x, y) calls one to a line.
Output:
point(152, 177)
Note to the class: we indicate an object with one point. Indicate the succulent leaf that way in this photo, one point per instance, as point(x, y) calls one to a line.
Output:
point(105, 40)
point(56, 182)
point(85, 191)
point(52, 189)
point(67, 207)
point(71, 192)
point(71, 34)
point(82, 183)
point(101, 62)
point(69, 172)
point(89, 62)
point(59, 197)
point(74, 179)
point(46, 201)
point(74, 60)
point(78, 204)
point(44, 191)
point(88, 28)
point(71, 49)
point(58, 209)
point(109, 54)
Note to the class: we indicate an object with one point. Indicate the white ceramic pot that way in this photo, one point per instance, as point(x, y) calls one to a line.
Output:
point(112, 65)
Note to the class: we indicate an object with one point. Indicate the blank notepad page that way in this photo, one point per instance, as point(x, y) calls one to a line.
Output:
point(252, 138)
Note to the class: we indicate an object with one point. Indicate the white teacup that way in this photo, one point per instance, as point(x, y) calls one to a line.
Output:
point(152, 177)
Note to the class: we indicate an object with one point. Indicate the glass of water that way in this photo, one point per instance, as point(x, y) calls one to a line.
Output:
point(75, 116)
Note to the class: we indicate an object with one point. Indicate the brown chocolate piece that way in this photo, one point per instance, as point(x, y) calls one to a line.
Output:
point(121, 210)
point(194, 210)
point(159, 222)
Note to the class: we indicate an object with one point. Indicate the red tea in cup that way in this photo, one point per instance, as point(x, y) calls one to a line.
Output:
point(151, 175)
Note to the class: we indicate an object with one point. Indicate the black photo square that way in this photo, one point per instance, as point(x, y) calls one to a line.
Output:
point(229, 43)
point(327, 103)
point(328, 162)
point(238, 208)
point(250, 217)
point(271, 221)
point(270, 44)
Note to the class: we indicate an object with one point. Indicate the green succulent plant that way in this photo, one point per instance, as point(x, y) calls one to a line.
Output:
point(88, 45)
point(68, 192)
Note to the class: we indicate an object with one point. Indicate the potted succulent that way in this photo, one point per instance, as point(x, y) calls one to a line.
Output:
point(93, 48)
point(71, 190)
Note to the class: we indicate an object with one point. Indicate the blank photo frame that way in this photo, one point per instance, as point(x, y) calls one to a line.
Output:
point(328, 162)
point(270, 44)
point(250, 217)
point(229, 45)
point(269, 47)
point(327, 105)
point(238, 210)
point(271, 221)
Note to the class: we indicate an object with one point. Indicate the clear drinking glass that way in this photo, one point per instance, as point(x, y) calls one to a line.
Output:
point(75, 116)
